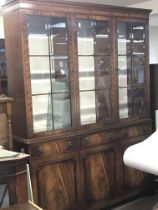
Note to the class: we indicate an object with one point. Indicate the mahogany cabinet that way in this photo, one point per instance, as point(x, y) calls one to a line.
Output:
point(79, 76)
point(3, 69)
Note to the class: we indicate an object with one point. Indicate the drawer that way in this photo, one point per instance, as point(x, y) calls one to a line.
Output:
point(53, 147)
point(134, 131)
point(97, 138)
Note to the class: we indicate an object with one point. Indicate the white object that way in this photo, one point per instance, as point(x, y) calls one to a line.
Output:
point(7, 153)
point(29, 184)
point(144, 156)
point(156, 119)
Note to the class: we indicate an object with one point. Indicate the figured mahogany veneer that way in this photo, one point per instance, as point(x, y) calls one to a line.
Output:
point(76, 151)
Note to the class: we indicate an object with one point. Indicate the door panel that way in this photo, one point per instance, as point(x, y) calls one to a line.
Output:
point(133, 178)
point(57, 185)
point(99, 171)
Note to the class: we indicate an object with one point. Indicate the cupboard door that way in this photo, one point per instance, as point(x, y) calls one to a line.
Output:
point(48, 48)
point(131, 69)
point(133, 178)
point(99, 175)
point(94, 51)
point(58, 185)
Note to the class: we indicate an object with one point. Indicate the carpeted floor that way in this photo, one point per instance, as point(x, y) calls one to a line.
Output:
point(145, 203)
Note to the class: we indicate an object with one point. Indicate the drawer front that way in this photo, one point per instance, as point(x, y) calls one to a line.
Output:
point(97, 138)
point(135, 131)
point(53, 148)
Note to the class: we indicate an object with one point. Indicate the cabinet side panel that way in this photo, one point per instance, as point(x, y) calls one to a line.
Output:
point(16, 79)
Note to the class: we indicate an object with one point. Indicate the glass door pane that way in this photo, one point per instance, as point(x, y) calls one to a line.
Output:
point(131, 69)
point(38, 35)
point(94, 66)
point(60, 73)
point(124, 69)
point(42, 113)
point(49, 69)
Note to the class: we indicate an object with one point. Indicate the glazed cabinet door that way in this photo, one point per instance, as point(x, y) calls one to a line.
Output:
point(99, 175)
point(49, 66)
point(94, 64)
point(132, 65)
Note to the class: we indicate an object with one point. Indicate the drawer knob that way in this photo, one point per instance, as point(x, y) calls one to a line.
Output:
point(69, 145)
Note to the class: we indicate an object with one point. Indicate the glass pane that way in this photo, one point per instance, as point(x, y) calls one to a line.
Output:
point(85, 37)
point(87, 107)
point(59, 37)
point(42, 113)
point(138, 92)
point(60, 74)
point(138, 31)
point(86, 72)
point(102, 69)
point(125, 109)
point(124, 38)
point(40, 75)
point(138, 108)
point(102, 38)
point(138, 69)
point(61, 111)
point(103, 102)
point(38, 35)
point(124, 67)
point(138, 38)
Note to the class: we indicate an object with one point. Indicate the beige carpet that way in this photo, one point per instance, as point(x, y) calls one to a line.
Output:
point(145, 203)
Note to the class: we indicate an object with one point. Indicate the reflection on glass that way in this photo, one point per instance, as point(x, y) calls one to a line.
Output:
point(131, 68)
point(138, 92)
point(102, 69)
point(102, 38)
point(86, 73)
point(124, 101)
point(38, 35)
point(42, 113)
point(93, 37)
point(40, 75)
point(138, 38)
point(124, 35)
point(58, 37)
point(49, 70)
point(138, 31)
point(138, 107)
point(60, 74)
point(85, 37)
point(87, 107)
point(124, 73)
point(103, 105)
point(138, 70)
point(138, 48)
point(94, 66)
point(61, 111)
point(85, 46)
point(138, 76)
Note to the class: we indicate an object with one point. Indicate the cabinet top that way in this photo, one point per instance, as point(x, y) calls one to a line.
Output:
point(28, 4)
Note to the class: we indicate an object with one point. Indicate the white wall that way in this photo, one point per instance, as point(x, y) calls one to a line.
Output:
point(153, 44)
point(1, 28)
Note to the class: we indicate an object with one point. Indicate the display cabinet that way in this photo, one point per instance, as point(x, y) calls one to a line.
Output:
point(79, 76)
point(6, 140)
point(3, 69)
